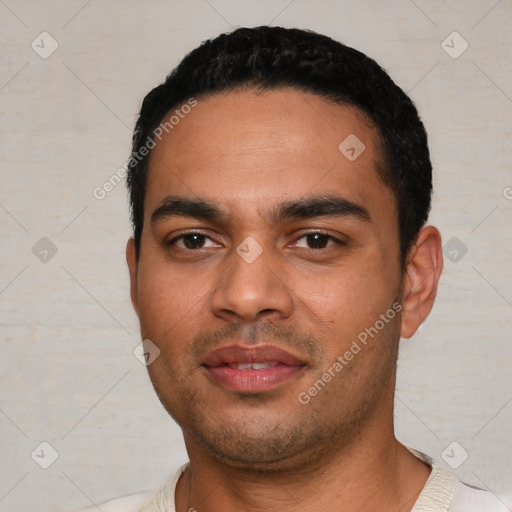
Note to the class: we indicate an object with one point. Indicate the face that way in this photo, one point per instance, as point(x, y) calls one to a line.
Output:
point(267, 256)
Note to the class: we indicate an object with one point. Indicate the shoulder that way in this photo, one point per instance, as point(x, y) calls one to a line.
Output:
point(467, 498)
point(127, 504)
point(444, 492)
point(163, 500)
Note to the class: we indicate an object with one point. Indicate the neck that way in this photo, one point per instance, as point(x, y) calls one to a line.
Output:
point(375, 472)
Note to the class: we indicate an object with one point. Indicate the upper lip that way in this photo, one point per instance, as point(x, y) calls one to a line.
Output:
point(234, 354)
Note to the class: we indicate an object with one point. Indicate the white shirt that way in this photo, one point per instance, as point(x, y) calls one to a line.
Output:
point(442, 493)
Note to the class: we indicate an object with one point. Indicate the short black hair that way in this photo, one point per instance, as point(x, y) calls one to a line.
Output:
point(276, 57)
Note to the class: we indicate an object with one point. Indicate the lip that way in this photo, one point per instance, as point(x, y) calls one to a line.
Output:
point(252, 380)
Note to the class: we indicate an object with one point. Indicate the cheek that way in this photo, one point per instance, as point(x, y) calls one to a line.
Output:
point(168, 299)
point(342, 303)
point(170, 305)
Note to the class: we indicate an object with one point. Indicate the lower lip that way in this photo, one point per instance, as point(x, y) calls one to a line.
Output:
point(252, 381)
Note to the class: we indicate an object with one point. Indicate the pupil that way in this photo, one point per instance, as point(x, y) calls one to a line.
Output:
point(193, 241)
point(317, 240)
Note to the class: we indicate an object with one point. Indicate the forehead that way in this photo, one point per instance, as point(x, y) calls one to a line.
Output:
point(248, 147)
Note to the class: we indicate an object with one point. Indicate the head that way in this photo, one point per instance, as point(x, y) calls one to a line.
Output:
point(266, 58)
point(279, 185)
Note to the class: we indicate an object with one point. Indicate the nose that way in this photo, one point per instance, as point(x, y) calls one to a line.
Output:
point(251, 288)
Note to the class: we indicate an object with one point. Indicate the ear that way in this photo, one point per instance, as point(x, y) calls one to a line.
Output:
point(424, 266)
point(131, 259)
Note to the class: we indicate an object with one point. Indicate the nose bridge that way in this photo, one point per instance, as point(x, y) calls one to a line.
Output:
point(251, 284)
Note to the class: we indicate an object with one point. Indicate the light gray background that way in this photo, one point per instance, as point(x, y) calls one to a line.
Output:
point(68, 373)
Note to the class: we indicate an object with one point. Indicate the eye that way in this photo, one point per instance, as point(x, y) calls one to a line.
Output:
point(316, 241)
point(193, 241)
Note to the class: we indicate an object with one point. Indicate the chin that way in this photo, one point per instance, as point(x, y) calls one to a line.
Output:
point(261, 446)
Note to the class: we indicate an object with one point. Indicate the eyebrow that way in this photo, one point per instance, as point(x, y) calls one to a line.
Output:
point(175, 206)
point(319, 206)
point(306, 208)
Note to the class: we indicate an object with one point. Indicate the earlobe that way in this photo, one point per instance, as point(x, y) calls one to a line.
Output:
point(424, 266)
point(131, 259)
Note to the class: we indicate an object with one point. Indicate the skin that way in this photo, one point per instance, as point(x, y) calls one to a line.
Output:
point(247, 153)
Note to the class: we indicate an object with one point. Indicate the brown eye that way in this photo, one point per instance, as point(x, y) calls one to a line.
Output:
point(316, 241)
point(193, 241)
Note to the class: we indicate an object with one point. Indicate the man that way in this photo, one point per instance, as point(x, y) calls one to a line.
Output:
point(280, 183)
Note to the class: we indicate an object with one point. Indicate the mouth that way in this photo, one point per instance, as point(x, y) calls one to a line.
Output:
point(252, 369)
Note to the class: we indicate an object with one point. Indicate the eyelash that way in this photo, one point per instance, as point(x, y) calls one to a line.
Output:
point(304, 235)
